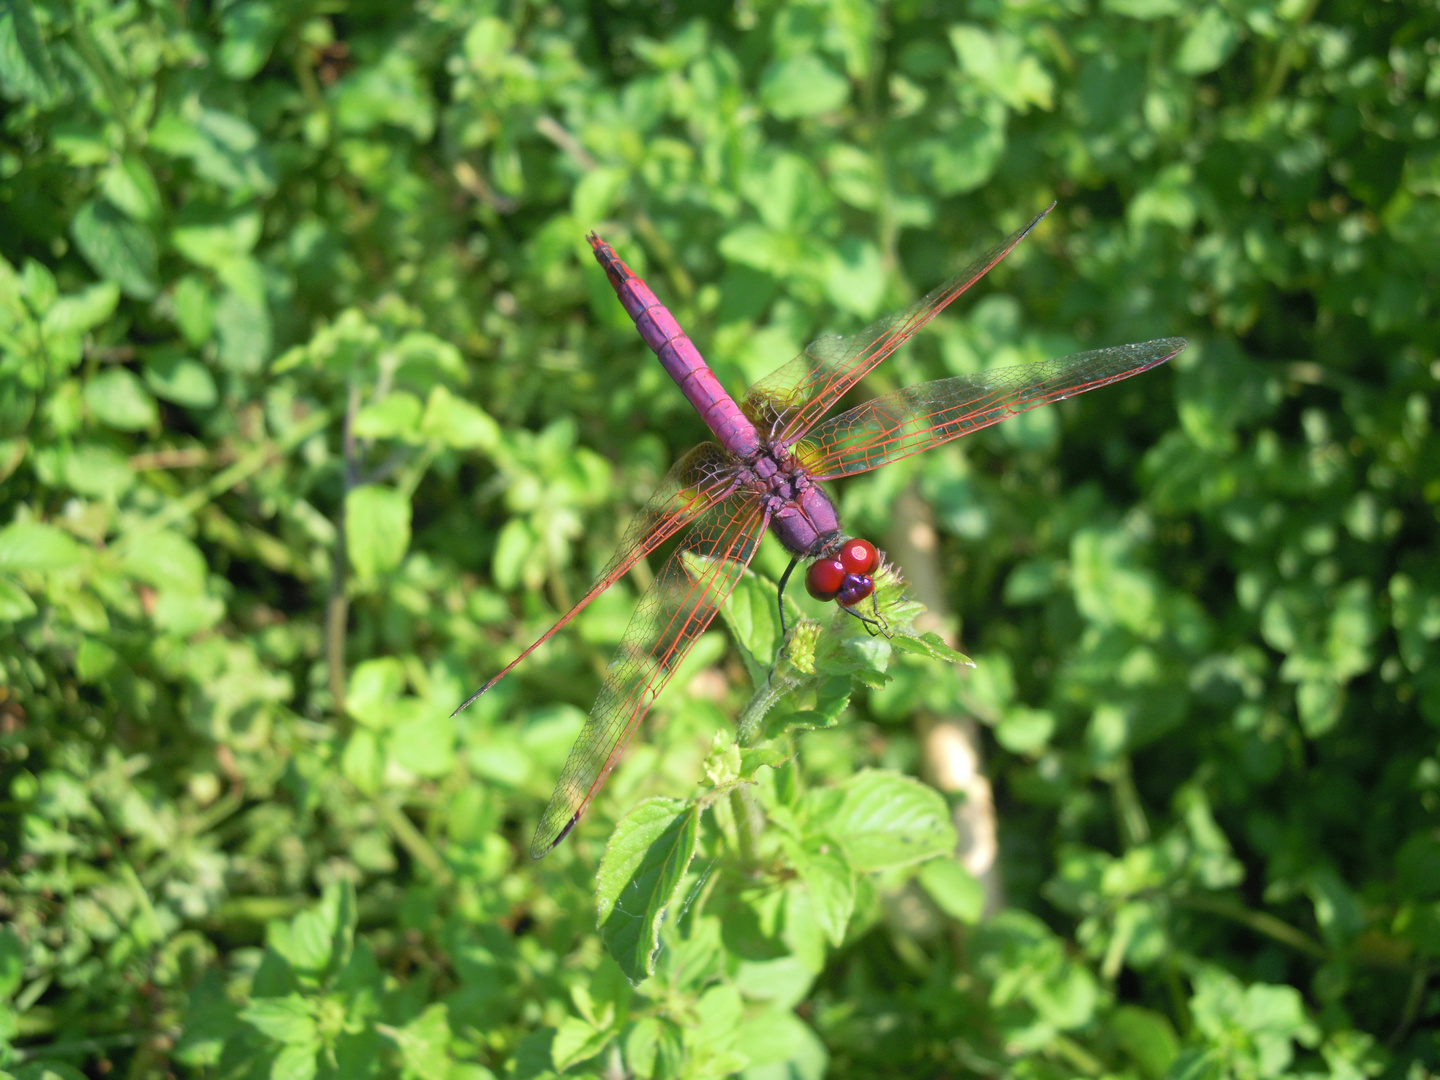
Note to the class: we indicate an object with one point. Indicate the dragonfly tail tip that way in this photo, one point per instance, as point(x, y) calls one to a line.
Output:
point(471, 699)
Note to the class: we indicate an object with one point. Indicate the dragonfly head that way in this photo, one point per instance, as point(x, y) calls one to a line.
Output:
point(844, 576)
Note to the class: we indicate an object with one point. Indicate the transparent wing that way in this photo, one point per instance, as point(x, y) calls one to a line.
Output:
point(916, 418)
point(695, 483)
point(684, 597)
point(788, 401)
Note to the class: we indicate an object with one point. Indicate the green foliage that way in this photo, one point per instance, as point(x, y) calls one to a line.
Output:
point(314, 410)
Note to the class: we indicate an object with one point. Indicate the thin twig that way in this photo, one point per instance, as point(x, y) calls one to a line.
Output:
point(552, 130)
point(664, 254)
point(179, 457)
point(414, 841)
point(1259, 921)
point(1286, 56)
point(474, 184)
point(226, 479)
point(1412, 1006)
point(88, 1047)
point(337, 607)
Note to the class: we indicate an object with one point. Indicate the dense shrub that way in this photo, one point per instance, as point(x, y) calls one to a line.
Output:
point(314, 409)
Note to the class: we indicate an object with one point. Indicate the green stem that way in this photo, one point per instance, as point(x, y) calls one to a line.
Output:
point(1134, 826)
point(747, 726)
point(90, 1047)
point(1077, 1056)
point(1285, 58)
point(1259, 921)
point(742, 805)
point(228, 478)
point(413, 841)
point(337, 606)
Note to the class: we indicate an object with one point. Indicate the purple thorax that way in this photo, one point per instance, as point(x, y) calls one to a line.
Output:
point(679, 356)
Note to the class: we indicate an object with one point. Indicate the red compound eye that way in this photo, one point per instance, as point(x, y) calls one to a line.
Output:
point(824, 578)
point(858, 556)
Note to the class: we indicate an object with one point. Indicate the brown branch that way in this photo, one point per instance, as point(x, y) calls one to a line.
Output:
point(176, 457)
point(952, 755)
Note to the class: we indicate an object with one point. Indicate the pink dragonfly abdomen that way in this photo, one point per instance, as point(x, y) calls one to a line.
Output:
point(679, 356)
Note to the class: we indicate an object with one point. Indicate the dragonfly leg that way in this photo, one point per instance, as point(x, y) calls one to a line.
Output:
point(873, 626)
point(780, 595)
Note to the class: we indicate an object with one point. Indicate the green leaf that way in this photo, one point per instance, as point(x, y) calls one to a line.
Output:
point(777, 1037)
point(362, 762)
point(753, 617)
point(182, 380)
point(194, 309)
point(295, 1063)
point(396, 416)
point(968, 156)
point(802, 86)
point(1147, 1037)
point(425, 1044)
point(15, 602)
point(1025, 731)
point(377, 529)
point(320, 939)
point(119, 400)
point(1211, 39)
point(425, 744)
point(882, 820)
point(374, 687)
point(30, 545)
point(82, 311)
point(822, 867)
point(12, 963)
point(640, 876)
point(130, 185)
point(929, 644)
point(390, 92)
point(954, 889)
point(221, 146)
point(289, 1020)
point(577, 1040)
point(94, 659)
point(216, 239)
point(455, 422)
point(99, 471)
point(25, 66)
point(119, 250)
point(166, 560)
point(249, 31)
point(855, 277)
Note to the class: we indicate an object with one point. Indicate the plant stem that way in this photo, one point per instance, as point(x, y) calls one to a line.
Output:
point(742, 805)
point(337, 607)
point(747, 725)
point(230, 477)
point(1134, 826)
point(1411, 1008)
point(1259, 921)
point(413, 841)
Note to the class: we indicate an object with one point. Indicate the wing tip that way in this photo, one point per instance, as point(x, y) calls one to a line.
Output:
point(540, 848)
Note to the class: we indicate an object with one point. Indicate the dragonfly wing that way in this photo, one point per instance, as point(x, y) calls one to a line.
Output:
point(788, 401)
point(677, 607)
point(697, 482)
point(916, 418)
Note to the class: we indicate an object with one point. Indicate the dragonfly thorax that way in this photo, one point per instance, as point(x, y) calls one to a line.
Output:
point(801, 515)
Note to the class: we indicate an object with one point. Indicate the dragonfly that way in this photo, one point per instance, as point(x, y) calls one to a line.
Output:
point(771, 453)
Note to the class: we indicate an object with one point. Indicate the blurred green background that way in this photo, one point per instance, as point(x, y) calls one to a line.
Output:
point(277, 273)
